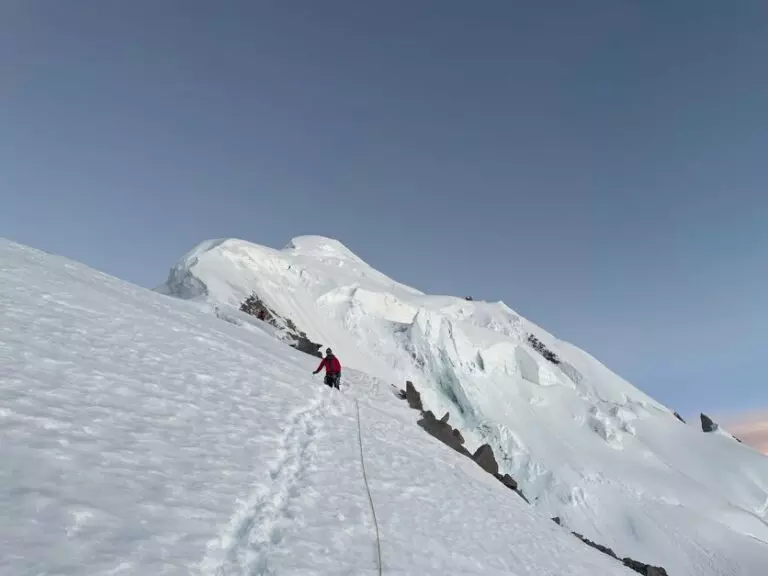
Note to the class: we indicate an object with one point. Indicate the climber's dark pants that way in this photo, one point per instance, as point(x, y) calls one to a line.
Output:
point(332, 379)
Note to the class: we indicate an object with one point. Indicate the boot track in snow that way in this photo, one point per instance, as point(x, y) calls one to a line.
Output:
point(244, 546)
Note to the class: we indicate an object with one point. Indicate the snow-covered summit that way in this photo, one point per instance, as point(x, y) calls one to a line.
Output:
point(321, 247)
point(584, 444)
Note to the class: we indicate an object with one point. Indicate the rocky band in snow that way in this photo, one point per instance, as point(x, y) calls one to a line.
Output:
point(484, 458)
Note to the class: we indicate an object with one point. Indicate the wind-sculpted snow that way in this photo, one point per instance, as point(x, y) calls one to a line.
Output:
point(584, 444)
point(143, 435)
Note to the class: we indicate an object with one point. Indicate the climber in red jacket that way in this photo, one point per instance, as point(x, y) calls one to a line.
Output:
point(332, 369)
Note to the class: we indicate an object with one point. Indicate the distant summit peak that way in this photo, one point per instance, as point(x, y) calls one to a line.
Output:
point(320, 246)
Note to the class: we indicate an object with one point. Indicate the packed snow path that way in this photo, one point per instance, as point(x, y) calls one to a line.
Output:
point(258, 527)
point(140, 435)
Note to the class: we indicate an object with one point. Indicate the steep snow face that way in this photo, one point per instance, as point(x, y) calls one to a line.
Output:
point(584, 444)
point(141, 435)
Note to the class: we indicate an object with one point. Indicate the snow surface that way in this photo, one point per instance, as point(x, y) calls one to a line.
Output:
point(584, 444)
point(142, 435)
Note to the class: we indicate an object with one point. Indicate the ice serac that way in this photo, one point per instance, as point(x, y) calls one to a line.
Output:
point(584, 444)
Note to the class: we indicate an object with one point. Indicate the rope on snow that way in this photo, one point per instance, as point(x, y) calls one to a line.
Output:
point(367, 487)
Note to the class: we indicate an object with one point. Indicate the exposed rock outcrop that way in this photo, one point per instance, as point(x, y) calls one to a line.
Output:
point(443, 431)
point(639, 567)
point(596, 546)
point(511, 483)
point(413, 397)
point(539, 346)
point(452, 437)
point(679, 417)
point(707, 424)
point(486, 460)
point(296, 338)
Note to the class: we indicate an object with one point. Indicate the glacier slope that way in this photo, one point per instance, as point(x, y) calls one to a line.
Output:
point(584, 444)
point(139, 434)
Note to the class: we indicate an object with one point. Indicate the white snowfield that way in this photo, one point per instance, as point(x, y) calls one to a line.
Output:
point(584, 444)
point(142, 435)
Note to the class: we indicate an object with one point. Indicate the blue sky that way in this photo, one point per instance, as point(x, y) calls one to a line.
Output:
point(600, 166)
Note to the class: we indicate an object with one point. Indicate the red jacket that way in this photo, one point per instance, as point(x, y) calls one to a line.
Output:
point(331, 365)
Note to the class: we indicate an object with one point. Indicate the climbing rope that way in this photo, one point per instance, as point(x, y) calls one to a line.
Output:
point(367, 488)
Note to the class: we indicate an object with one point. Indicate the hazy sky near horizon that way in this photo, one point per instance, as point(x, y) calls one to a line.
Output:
point(600, 166)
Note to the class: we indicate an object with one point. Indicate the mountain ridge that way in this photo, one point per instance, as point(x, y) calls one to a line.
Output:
point(141, 434)
point(586, 445)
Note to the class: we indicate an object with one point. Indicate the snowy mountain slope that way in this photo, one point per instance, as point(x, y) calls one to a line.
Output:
point(140, 434)
point(584, 444)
